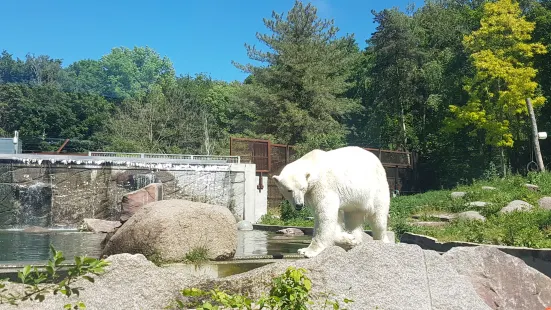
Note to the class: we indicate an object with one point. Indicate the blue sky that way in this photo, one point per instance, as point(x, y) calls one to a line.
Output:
point(198, 36)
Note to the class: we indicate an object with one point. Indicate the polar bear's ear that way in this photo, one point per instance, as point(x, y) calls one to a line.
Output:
point(275, 177)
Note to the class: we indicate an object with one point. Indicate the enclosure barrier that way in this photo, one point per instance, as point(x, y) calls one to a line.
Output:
point(227, 159)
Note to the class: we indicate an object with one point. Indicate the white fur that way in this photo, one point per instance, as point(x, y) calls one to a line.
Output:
point(345, 187)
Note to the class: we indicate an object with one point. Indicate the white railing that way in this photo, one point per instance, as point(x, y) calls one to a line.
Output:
point(228, 159)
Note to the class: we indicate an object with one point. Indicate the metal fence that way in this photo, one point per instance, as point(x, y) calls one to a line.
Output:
point(227, 159)
point(270, 158)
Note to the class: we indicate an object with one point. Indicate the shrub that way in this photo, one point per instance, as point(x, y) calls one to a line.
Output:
point(289, 291)
point(38, 284)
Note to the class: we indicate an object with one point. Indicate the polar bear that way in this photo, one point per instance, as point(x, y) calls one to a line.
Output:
point(345, 187)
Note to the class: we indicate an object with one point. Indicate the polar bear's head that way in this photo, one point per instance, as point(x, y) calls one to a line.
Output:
point(293, 185)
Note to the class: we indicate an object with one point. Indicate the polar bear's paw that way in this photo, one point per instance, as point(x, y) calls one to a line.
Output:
point(347, 240)
point(308, 252)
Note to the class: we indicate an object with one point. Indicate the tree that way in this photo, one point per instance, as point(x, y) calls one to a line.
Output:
point(180, 117)
point(38, 70)
point(46, 110)
point(86, 76)
point(121, 74)
point(501, 53)
point(299, 96)
point(393, 96)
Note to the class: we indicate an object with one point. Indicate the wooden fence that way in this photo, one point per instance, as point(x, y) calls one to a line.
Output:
point(270, 158)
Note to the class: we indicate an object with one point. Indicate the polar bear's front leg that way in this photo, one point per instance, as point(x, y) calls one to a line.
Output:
point(327, 227)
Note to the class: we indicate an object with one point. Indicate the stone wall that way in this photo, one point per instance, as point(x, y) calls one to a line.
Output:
point(79, 191)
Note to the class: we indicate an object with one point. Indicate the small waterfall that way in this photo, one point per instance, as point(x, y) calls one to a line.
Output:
point(142, 180)
point(35, 204)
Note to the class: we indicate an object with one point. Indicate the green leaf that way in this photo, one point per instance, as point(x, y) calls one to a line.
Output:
point(89, 278)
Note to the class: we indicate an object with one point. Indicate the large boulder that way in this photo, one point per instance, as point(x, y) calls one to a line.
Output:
point(456, 195)
point(129, 282)
point(373, 274)
point(503, 281)
point(471, 215)
point(169, 229)
point(545, 203)
point(516, 205)
point(133, 201)
point(99, 226)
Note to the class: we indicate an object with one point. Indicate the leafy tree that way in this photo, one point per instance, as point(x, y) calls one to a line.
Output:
point(395, 71)
point(86, 76)
point(46, 110)
point(187, 116)
point(38, 70)
point(502, 54)
point(121, 74)
point(131, 72)
point(300, 94)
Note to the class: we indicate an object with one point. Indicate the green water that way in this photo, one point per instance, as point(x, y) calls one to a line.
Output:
point(21, 248)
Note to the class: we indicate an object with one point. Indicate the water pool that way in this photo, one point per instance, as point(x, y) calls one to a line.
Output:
point(18, 248)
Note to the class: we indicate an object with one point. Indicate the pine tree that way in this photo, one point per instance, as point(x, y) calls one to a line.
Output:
point(300, 94)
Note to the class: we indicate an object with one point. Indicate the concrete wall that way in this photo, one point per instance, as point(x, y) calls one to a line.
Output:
point(539, 259)
point(95, 191)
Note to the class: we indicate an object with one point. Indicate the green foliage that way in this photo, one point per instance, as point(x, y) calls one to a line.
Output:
point(289, 216)
point(289, 213)
point(300, 95)
point(288, 291)
point(39, 283)
point(519, 228)
point(197, 255)
point(528, 228)
point(501, 52)
point(314, 88)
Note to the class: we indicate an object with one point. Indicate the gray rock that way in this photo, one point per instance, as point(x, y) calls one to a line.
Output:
point(244, 225)
point(456, 195)
point(532, 187)
point(429, 224)
point(130, 282)
point(290, 231)
point(169, 229)
point(503, 281)
point(488, 188)
point(100, 226)
point(374, 274)
point(545, 203)
point(516, 205)
point(442, 217)
point(35, 229)
point(478, 204)
point(471, 215)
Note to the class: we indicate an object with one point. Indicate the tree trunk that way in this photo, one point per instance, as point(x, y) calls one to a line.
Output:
point(539, 159)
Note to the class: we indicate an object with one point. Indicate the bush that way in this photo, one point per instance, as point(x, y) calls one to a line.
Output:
point(289, 291)
point(38, 284)
point(289, 213)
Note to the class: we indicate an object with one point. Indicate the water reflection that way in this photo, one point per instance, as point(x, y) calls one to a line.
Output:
point(18, 247)
point(32, 248)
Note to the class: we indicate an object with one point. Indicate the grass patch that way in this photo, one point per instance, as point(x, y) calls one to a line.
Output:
point(528, 228)
point(197, 255)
